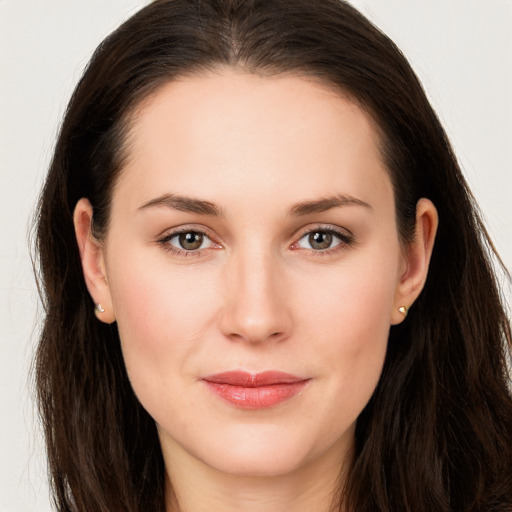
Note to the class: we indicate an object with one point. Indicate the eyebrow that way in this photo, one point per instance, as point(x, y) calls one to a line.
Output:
point(324, 204)
point(184, 204)
point(199, 206)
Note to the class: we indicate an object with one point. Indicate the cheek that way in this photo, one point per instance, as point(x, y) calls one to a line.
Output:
point(155, 298)
point(347, 314)
point(353, 300)
point(163, 314)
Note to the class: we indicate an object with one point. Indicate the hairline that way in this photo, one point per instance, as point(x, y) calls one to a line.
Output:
point(143, 100)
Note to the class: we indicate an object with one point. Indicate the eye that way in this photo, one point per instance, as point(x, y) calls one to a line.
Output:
point(188, 241)
point(322, 240)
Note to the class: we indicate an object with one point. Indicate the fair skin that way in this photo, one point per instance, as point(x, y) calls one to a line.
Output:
point(258, 291)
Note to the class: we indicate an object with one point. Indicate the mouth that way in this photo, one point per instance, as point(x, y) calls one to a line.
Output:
point(255, 391)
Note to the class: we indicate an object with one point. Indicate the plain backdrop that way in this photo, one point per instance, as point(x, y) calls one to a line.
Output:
point(461, 49)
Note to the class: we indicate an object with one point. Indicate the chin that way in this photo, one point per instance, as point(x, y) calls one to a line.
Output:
point(260, 452)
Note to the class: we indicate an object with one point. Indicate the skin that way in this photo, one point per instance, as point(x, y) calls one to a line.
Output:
point(258, 295)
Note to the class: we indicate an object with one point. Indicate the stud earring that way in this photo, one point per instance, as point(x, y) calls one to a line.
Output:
point(100, 308)
point(403, 310)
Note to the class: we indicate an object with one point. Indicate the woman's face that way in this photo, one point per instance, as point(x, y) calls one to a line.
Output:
point(253, 231)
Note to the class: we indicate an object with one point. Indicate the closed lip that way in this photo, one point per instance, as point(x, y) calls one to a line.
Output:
point(254, 380)
point(251, 391)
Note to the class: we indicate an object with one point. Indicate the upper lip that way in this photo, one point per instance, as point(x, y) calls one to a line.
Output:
point(253, 380)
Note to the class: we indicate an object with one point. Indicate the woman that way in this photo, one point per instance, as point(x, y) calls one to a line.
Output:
point(267, 285)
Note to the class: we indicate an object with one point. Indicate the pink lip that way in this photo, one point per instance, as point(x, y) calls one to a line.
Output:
point(255, 391)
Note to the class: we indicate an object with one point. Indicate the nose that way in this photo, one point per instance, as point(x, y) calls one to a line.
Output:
point(256, 306)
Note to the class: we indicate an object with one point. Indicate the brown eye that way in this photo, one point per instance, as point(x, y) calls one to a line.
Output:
point(320, 240)
point(191, 240)
point(190, 243)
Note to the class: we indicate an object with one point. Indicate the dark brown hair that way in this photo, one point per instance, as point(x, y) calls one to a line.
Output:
point(437, 433)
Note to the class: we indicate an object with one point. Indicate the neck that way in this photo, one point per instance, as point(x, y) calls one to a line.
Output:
point(197, 487)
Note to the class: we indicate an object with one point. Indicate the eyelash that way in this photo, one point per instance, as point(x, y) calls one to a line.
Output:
point(345, 240)
point(164, 242)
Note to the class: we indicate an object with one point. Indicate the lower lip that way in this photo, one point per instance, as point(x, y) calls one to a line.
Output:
point(260, 397)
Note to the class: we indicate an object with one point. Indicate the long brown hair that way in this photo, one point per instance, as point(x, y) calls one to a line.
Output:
point(437, 433)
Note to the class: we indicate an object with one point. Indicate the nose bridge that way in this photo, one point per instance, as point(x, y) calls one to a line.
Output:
point(255, 305)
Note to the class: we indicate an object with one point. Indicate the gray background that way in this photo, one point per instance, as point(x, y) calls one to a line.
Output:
point(461, 49)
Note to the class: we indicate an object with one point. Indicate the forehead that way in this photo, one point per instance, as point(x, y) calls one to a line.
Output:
point(233, 131)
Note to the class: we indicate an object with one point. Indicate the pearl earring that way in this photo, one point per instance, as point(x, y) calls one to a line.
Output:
point(100, 308)
point(403, 310)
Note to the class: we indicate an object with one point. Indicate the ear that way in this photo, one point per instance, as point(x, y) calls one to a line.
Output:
point(93, 263)
point(416, 260)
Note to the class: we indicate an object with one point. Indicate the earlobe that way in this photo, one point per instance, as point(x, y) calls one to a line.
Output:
point(417, 256)
point(93, 264)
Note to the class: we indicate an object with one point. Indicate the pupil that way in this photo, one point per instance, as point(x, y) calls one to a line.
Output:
point(191, 241)
point(320, 240)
